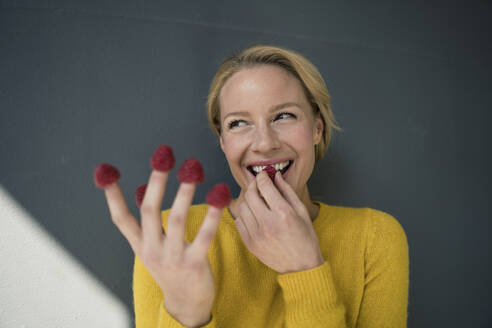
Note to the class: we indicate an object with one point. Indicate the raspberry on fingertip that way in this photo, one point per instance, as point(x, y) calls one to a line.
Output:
point(191, 171)
point(163, 159)
point(105, 174)
point(140, 193)
point(219, 196)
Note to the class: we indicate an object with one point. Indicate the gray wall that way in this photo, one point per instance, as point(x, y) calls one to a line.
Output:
point(84, 82)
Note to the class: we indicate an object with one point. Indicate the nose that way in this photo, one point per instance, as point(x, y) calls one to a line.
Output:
point(265, 139)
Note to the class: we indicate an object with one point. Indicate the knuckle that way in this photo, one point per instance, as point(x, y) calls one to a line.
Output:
point(174, 219)
point(271, 230)
point(150, 257)
point(147, 210)
point(195, 264)
point(283, 215)
point(119, 220)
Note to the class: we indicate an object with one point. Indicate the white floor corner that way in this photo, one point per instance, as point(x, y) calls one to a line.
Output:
point(42, 285)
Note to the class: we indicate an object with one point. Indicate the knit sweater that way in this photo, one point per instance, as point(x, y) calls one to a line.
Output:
point(362, 283)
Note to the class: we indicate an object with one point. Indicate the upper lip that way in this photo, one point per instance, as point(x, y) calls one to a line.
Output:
point(268, 162)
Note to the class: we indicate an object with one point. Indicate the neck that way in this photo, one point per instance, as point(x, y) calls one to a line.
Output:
point(303, 195)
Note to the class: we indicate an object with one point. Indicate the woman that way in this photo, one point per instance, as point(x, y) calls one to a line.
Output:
point(274, 257)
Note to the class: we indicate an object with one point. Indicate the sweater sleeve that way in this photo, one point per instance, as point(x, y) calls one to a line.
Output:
point(147, 297)
point(149, 302)
point(385, 298)
point(311, 299)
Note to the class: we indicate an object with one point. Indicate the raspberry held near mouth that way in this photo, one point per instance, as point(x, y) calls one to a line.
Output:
point(271, 172)
point(282, 167)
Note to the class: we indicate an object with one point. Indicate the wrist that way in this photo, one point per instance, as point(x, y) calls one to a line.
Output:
point(195, 322)
point(318, 261)
point(191, 318)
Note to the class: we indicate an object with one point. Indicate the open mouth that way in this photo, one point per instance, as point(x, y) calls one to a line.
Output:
point(282, 167)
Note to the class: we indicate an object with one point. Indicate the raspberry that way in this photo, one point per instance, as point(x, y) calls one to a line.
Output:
point(191, 171)
point(163, 159)
point(271, 172)
point(105, 174)
point(219, 196)
point(140, 193)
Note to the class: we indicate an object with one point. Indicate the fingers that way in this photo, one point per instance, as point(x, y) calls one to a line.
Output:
point(176, 223)
point(151, 206)
point(248, 220)
point(121, 216)
point(206, 234)
point(269, 192)
point(255, 201)
point(243, 232)
point(290, 195)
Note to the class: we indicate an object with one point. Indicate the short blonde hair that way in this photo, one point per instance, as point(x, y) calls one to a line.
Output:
point(293, 62)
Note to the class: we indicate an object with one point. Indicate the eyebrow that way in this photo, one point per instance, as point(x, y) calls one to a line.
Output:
point(272, 109)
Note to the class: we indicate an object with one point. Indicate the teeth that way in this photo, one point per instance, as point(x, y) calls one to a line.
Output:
point(258, 169)
point(277, 166)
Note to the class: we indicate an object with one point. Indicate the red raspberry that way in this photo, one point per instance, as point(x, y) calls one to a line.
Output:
point(271, 171)
point(191, 171)
point(139, 194)
point(219, 196)
point(163, 159)
point(105, 174)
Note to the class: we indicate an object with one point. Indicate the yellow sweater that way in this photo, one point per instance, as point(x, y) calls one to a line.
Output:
point(363, 282)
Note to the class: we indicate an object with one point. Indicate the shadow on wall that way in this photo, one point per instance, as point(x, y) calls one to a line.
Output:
point(42, 285)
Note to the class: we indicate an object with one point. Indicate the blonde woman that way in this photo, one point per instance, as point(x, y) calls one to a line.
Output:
point(273, 257)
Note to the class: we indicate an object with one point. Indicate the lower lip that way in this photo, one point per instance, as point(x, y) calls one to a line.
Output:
point(283, 175)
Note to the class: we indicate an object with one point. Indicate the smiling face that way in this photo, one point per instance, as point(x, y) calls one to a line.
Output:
point(266, 119)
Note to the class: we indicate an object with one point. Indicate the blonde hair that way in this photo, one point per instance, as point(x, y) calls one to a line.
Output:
point(293, 62)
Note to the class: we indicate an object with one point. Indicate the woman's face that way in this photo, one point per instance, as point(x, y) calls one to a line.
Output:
point(267, 120)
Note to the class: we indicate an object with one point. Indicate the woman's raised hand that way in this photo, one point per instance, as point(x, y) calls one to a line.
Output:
point(276, 226)
point(180, 268)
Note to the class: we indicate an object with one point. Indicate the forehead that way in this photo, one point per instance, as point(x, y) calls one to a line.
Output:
point(259, 88)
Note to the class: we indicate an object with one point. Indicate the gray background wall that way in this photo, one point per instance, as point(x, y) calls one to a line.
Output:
point(85, 82)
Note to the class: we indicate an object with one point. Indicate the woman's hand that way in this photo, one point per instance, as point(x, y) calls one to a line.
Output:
point(181, 269)
point(276, 227)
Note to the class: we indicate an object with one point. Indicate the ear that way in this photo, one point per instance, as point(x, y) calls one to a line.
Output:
point(318, 129)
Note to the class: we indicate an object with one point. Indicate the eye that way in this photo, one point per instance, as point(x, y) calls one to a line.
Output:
point(235, 123)
point(284, 115)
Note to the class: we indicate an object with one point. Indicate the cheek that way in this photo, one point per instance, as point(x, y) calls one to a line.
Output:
point(301, 138)
point(232, 147)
